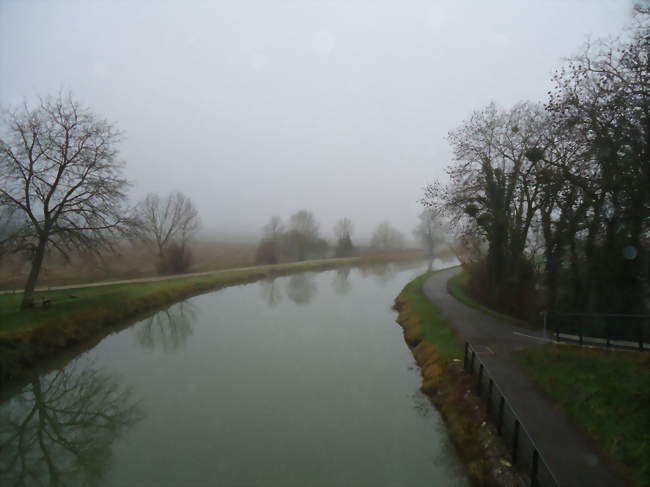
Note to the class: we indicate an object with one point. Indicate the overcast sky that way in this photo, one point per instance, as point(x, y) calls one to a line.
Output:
point(261, 108)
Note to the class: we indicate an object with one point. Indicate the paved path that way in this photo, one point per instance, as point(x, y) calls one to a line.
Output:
point(569, 455)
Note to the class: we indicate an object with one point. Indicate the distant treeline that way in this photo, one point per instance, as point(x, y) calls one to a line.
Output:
point(551, 202)
point(301, 239)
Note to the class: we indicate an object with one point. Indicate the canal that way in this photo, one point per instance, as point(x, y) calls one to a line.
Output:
point(301, 380)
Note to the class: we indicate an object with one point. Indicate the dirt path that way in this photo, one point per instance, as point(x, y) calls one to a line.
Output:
point(570, 456)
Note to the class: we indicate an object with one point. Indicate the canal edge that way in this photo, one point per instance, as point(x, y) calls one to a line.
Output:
point(449, 387)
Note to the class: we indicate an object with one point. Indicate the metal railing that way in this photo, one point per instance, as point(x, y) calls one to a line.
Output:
point(525, 453)
point(608, 330)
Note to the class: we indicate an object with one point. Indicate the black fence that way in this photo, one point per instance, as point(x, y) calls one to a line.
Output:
point(525, 454)
point(609, 330)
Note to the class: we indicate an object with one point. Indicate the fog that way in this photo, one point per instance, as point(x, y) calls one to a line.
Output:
point(261, 108)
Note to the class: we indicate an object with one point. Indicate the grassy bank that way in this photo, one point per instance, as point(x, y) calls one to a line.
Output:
point(605, 393)
point(438, 354)
point(82, 314)
point(457, 287)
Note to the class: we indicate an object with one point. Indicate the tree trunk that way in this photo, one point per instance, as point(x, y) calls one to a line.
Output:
point(550, 267)
point(37, 261)
point(575, 272)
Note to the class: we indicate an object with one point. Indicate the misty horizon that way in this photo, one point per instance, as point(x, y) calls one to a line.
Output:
point(257, 109)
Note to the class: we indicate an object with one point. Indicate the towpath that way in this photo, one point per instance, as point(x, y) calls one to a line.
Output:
point(127, 281)
point(570, 456)
point(269, 267)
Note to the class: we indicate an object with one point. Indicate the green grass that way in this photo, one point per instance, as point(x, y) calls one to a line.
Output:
point(457, 287)
point(435, 328)
point(70, 301)
point(606, 393)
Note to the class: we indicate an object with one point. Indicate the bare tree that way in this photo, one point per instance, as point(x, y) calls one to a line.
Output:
point(343, 231)
point(305, 223)
point(598, 200)
point(429, 231)
point(168, 225)
point(387, 238)
point(274, 229)
point(303, 234)
point(343, 228)
point(59, 171)
point(493, 192)
point(570, 179)
point(269, 248)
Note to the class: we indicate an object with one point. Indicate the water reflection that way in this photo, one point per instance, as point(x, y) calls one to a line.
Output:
point(341, 282)
point(301, 288)
point(270, 292)
point(442, 461)
point(409, 265)
point(168, 329)
point(383, 273)
point(242, 391)
point(59, 429)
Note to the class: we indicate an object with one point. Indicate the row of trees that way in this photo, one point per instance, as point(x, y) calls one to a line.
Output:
point(301, 238)
point(558, 194)
point(62, 189)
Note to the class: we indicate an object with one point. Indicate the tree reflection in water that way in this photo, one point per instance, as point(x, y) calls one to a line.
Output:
point(58, 430)
point(168, 329)
point(341, 282)
point(382, 273)
point(301, 288)
point(270, 292)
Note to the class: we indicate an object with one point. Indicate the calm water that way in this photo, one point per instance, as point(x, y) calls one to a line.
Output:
point(296, 381)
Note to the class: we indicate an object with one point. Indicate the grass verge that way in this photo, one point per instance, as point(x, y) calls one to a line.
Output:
point(438, 354)
point(457, 287)
point(83, 314)
point(605, 393)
